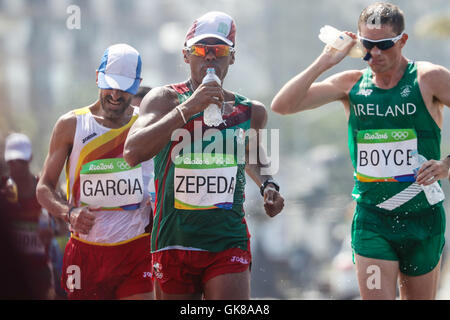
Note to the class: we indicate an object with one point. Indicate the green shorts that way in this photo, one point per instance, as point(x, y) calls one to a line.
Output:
point(415, 240)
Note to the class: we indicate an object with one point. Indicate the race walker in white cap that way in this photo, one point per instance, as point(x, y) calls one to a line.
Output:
point(31, 236)
point(18, 147)
point(120, 69)
point(200, 241)
point(107, 203)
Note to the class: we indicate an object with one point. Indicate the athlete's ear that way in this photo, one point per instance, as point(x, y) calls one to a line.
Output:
point(232, 58)
point(96, 77)
point(185, 55)
point(403, 40)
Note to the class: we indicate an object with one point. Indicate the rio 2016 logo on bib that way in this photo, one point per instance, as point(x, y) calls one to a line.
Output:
point(386, 155)
point(399, 135)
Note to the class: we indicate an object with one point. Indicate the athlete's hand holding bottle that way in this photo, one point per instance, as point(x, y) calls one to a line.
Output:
point(432, 171)
point(204, 95)
point(331, 56)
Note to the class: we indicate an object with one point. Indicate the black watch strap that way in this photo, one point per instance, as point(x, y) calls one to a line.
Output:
point(265, 183)
point(69, 212)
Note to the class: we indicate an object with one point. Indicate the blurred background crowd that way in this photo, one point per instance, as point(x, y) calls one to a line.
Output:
point(50, 51)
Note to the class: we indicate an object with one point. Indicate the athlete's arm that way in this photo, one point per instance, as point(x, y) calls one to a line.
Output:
point(434, 81)
point(159, 117)
point(46, 191)
point(273, 201)
point(59, 149)
point(303, 93)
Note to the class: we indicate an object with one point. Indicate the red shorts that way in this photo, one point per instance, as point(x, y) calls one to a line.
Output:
point(107, 271)
point(186, 271)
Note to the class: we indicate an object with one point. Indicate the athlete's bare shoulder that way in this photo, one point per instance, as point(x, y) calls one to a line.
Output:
point(346, 78)
point(65, 126)
point(259, 115)
point(427, 66)
point(428, 71)
point(160, 99)
point(69, 119)
point(434, 81)
point(353, 74)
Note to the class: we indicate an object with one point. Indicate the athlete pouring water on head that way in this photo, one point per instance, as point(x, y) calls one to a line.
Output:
point(394, 109)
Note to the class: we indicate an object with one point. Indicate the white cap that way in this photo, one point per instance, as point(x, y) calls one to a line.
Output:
point(17, 147)
point(214, 24)
point(120, 68)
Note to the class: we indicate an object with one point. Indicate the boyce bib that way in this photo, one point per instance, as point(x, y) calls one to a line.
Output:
point(385, 155)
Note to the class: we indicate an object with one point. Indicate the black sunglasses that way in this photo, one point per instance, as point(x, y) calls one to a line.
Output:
point(382, 44)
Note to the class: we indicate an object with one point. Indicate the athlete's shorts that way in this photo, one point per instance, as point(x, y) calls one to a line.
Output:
point(106, 272)
point(186, 271)
point(415, 240)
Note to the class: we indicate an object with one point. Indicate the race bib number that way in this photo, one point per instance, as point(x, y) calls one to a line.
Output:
point(386, 155)
point(205, 181)
point(111, 184)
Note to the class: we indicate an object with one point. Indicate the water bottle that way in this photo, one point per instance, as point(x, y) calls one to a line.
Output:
point(12, 196)
point(212, 115)
point(433, 192)
point(338, 40)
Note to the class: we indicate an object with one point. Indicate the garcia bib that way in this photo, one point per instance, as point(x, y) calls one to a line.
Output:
point(111, 184)
point(98, 176)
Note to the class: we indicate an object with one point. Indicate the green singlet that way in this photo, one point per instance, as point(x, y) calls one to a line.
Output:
point(200, 182)
point(393, 219)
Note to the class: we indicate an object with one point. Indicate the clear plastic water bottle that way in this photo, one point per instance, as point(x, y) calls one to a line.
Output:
point(338, 40)
point(212, 115)
point(433, 192)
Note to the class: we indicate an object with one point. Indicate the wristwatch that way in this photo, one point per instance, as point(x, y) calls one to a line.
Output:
point(265, 183)
point(69, 212)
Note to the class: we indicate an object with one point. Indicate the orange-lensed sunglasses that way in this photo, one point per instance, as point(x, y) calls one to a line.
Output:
point(219, 50)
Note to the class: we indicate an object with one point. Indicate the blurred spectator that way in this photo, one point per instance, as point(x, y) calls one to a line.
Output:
point(16, 281)
point(137, 98)
point(29, 225)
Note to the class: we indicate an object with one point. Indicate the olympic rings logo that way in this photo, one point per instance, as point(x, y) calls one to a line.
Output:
point(399, 135)
point(123, 165)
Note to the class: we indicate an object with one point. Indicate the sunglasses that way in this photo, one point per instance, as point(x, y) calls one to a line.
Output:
point(382, 44)
point(201, 50)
